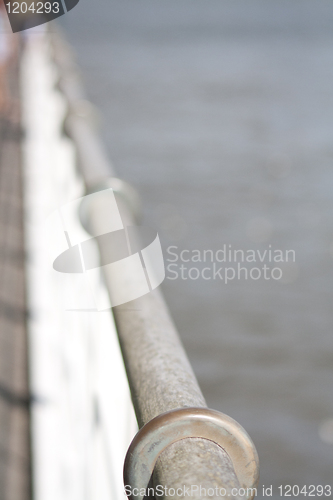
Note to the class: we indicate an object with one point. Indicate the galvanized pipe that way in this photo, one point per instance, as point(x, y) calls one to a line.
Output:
point(159, 373)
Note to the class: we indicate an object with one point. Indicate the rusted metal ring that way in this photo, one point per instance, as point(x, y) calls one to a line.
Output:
point(175, 425)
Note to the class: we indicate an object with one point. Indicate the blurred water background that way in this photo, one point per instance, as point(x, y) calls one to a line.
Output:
point(221, 114)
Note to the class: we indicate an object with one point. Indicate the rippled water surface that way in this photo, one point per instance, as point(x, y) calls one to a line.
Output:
point(221, 114)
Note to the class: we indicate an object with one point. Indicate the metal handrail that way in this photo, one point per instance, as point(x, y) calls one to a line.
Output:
point(160, 376)
point(176, 425)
